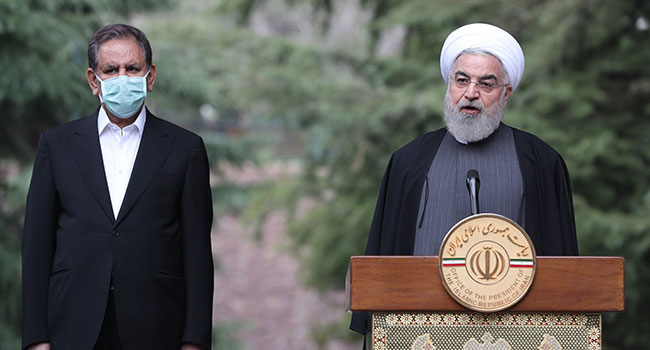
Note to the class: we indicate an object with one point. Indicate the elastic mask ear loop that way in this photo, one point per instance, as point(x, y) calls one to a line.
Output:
point(146, 84)
point(101, 98)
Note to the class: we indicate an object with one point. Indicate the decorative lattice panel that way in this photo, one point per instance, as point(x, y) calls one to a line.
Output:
point(478, 331)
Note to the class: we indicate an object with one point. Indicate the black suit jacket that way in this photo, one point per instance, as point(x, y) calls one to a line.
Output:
point(158, 247)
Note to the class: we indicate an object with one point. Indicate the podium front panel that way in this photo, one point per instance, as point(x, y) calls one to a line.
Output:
point(562, 284)
point(478, 331)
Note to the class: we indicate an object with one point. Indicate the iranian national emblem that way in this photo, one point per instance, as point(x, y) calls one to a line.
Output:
point(487, 262)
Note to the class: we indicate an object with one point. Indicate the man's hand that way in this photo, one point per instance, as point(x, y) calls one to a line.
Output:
point(187, 346)
point(40, 346)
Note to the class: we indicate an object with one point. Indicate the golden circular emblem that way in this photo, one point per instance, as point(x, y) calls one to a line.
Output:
point(487, 262)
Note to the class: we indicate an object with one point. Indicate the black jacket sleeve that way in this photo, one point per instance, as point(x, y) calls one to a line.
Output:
point(38, 246)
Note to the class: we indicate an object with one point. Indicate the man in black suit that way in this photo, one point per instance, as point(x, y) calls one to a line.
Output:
point(116, 245)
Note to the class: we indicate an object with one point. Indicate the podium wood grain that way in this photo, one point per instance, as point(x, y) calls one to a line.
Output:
point(561, 284)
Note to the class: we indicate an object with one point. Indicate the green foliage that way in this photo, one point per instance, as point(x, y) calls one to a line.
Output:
point(617, 234)
point(322, 334)
point(43, 58)
point(11, 215)
point(225, 335)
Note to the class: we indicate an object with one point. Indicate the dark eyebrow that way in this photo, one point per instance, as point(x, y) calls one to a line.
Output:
point(136, 65)
point(488, 77)
point(485, 77)
point(108, 66)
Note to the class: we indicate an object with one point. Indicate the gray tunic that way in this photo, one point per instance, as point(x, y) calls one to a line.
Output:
point(445, 192)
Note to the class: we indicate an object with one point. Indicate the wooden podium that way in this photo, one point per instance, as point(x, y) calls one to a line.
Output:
point(412, 310)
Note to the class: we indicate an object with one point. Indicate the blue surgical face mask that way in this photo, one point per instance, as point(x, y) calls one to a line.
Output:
point(123, 95)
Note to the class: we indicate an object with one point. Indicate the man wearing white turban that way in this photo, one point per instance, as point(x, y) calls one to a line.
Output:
point(423, 192)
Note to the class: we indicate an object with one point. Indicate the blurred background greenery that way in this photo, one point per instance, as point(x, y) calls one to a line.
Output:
point(335, 86)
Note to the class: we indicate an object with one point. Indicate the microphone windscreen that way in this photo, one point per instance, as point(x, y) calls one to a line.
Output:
point(472, 173)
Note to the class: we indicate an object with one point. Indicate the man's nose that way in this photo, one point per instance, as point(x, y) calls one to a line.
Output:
point(472, 92)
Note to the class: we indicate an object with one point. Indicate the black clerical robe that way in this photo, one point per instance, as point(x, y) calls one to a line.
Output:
point(548, 201)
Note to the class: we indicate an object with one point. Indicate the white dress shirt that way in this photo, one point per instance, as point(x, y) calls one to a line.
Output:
point(119, 149)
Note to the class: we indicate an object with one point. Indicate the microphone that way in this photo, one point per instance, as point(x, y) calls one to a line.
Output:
point(473, 184)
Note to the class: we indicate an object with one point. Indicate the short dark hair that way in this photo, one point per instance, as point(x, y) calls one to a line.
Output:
point(117, 31)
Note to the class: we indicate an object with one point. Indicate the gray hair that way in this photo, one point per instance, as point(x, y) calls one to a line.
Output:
point(117, 31)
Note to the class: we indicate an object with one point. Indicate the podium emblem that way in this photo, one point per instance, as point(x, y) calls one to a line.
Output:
point(487, 262)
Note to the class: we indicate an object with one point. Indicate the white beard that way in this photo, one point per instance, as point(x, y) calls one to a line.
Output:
point(473, 127)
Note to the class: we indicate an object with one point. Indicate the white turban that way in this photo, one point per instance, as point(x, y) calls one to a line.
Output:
point(488, 38)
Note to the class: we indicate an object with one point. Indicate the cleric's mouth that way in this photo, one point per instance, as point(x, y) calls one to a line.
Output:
point(470, 110)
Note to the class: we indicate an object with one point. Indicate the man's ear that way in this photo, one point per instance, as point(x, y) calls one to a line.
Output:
point(508, 92)
point(93, 82)
point(151, 78)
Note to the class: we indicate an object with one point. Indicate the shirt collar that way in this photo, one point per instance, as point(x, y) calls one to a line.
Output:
point(459, 140)
point(103, 121)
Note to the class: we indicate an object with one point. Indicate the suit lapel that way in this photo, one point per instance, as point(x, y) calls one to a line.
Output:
point(88, 155)
point(152, 153)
